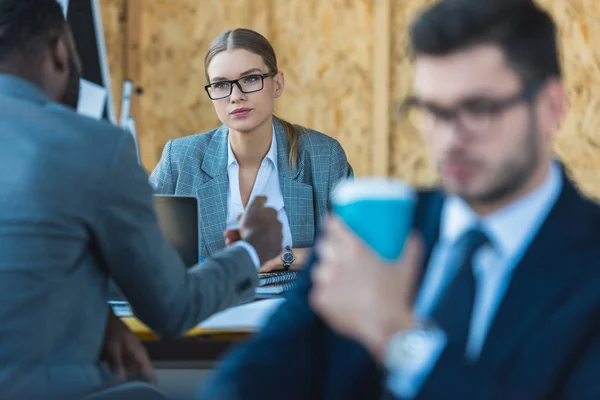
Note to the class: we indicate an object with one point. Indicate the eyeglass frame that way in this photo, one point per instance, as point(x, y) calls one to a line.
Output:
point(236, 82)
point(495, 107)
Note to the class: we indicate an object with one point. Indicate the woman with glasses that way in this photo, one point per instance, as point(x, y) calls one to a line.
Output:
point(252, 153)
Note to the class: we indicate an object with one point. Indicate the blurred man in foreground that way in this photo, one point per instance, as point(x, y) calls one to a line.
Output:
point(498, 295)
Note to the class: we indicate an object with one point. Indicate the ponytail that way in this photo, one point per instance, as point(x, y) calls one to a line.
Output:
point(292, 131)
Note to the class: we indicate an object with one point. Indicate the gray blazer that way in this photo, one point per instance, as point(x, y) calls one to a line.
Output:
point(75, 209)
point(197, 166)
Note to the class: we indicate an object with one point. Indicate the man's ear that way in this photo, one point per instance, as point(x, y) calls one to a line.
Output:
point(552, 108)
point(54, 70)
point(58, 51)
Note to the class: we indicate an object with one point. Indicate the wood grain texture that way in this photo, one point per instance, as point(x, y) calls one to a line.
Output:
point(115, 27)
point(326, 49)
point(409, 159)
point(133, 66)
point(382, 48)
point(578, 143)
point(326, 55)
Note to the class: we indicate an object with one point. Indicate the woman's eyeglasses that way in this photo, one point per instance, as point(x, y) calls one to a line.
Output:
point(246, 84)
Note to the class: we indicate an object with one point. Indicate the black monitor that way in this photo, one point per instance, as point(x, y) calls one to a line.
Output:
point(178, 220)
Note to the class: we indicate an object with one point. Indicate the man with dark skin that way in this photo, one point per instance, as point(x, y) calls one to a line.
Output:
point(77, 210)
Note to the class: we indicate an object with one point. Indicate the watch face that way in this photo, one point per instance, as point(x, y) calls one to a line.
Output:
point(288, 257)
point(408, 348)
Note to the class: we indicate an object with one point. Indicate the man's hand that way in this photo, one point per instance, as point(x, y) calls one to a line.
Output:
point(232, 235)
point(359, 294)
point(259, 227)
point(124, 352)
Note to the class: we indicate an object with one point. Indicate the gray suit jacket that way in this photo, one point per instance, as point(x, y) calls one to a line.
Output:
point(197, 166)
point(77, 208)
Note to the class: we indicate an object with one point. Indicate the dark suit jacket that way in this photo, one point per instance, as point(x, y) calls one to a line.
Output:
point(544, 341)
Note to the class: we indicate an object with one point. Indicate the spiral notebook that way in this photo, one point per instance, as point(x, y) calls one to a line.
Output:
point(275, 289)
point(276, 283)
point(274, 278)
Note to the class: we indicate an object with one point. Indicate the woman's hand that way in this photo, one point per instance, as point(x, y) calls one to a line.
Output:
point(276, 264)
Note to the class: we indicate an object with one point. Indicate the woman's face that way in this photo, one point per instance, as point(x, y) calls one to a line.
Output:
point(243, 112)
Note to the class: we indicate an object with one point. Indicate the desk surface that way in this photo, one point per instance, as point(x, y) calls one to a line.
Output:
point(205, 351)
point(206, 344)
point(144, 333)
point(197, 345)
point(248, 317)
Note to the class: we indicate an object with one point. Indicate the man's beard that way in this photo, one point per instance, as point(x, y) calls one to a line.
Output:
point(71, 96)
point(514, 175)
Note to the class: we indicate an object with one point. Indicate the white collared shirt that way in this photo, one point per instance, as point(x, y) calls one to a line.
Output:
point(510, 231)
point(266, 184)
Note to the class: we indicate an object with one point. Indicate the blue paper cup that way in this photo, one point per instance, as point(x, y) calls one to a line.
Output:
point(379, 210)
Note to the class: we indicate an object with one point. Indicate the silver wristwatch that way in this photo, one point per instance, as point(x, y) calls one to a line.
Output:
point(287, 258)
point(410, 347)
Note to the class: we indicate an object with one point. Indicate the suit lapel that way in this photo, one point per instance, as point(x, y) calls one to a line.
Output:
point(212, 194)
point(297, 196)
point(544, 272)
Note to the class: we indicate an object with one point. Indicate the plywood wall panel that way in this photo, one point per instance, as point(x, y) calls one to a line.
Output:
point(325, 49)
point(114, 24)
point(409, 159)
point(578, 143)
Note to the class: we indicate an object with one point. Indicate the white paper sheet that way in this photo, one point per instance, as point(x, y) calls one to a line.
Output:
point(92, 99)
point(121, 308)
point(251, 316)
point(245, 318)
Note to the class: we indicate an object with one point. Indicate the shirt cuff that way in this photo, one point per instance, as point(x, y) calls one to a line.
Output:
point(251, 251)
point(405, 380)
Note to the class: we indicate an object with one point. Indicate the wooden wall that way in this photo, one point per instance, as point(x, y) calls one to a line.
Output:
point(115, 24)
point(346, 68)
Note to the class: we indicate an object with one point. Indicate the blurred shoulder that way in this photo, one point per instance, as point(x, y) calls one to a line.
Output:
point(81, 123)
point(97, 138)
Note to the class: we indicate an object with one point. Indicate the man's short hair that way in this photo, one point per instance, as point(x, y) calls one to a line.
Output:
point(25, 25)
point(524, 32)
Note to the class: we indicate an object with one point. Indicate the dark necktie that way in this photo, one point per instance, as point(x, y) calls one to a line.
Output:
point(454, 308)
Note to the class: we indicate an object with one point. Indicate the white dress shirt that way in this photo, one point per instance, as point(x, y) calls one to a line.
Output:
point(510, 232)
point(266, 184)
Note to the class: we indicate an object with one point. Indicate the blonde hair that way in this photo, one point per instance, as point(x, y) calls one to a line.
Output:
point(256, 43)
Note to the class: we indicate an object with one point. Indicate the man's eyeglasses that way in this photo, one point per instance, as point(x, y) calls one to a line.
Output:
point(475, 115)
point(246, 84)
